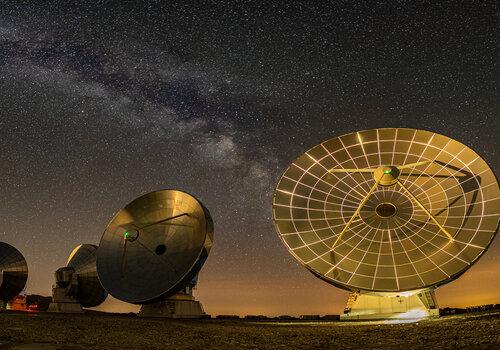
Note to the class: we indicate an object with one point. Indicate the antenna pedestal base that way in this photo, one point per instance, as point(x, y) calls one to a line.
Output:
point(390, 306)
point(69, 308)
point(62, 302)
point(180, 305)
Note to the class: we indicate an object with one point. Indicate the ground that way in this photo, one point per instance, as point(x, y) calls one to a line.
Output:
point(57, 331)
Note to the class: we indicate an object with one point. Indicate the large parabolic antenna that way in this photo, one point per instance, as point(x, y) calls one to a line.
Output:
point(152, 250)
point(77, 283)
point(13, 272)
point(388, 212)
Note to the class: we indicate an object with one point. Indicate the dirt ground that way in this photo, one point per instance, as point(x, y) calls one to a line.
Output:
point(56, 331)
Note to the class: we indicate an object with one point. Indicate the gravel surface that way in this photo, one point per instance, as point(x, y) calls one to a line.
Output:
point(56, 331)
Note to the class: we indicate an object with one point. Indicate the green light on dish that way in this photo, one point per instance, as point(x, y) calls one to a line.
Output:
point(126, 234)
point(387, 171)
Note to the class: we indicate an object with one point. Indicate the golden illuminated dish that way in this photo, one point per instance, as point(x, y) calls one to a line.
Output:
point(387, 210)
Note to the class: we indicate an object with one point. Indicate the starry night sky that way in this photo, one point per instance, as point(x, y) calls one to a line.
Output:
point(103, 102)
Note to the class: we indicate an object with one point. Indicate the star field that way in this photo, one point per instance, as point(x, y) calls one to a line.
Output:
point(102, 102)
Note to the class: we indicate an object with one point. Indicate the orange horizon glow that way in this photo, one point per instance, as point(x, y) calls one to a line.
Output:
point(308, 295)
point(240, 288)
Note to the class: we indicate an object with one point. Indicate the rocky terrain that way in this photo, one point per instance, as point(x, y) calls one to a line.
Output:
point(91, 331)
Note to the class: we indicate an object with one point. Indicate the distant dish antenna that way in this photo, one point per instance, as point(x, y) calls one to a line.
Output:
point(13, 273)
point(388, 214)
point(77, 284)
point(152, 250)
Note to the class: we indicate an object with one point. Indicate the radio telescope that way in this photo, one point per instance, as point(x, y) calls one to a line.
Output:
point(389, 215)
point(13, 273)
point(152, 250)
point(77, 284)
